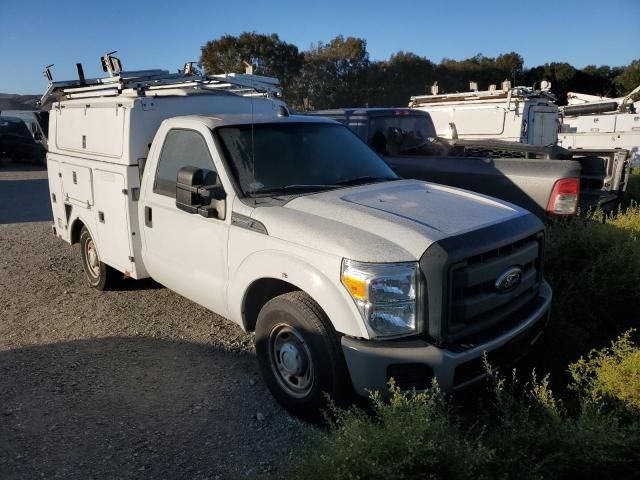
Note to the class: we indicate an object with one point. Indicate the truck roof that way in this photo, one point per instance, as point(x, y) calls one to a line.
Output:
point(482, 96)
point(369, 111)
point(215, 121)
point(154, 83)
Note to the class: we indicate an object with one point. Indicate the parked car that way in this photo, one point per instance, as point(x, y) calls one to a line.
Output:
point(295, 229)
point(17, 142)
point(37, 122)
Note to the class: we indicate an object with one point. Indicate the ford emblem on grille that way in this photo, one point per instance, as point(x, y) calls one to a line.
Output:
point(509, 279)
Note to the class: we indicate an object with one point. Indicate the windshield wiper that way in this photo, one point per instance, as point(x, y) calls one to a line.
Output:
point(314, 187)
point(295, 188)
point(365, 179)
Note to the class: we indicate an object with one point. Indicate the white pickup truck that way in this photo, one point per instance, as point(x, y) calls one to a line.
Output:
point(293, 228)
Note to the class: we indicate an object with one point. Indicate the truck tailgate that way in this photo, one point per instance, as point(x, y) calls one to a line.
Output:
point(604, 178)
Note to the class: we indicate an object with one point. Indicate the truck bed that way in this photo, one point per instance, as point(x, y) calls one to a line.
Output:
point(603, 176)
point(525, 182)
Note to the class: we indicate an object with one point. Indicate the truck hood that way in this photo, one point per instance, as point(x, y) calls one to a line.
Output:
point(385, 222)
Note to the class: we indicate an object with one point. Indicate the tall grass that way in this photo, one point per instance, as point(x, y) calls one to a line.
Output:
point(633, 188)
point(593, 266)
point(526, 434)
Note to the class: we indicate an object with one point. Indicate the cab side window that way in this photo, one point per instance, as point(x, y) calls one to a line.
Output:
point(181, 148)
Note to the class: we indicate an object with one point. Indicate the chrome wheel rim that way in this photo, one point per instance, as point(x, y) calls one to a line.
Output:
point(290, 360)
point(91, 254)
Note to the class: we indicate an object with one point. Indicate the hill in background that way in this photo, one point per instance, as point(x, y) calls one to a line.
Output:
point(11, 101)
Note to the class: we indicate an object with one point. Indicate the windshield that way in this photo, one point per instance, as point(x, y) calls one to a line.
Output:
point(14, 126)
point(299, 157)
point(399, 132)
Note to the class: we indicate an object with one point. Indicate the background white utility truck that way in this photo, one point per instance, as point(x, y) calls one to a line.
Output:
point(593, 122)
point(519, 114)
point(524, 122)
point(294, 228)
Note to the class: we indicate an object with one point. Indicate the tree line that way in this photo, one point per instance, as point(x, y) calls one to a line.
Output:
point(340, 73)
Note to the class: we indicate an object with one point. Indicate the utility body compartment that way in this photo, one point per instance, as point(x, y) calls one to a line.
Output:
point(120, 129)
point(103, 198)
point(97, 149)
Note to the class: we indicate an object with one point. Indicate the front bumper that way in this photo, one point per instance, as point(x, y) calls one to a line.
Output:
point(371, 363)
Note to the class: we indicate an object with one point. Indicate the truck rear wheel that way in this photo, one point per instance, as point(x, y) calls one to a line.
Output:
point(300, 355)
point(99, 274)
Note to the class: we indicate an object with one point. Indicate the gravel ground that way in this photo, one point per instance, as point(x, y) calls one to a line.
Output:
point(135, 383)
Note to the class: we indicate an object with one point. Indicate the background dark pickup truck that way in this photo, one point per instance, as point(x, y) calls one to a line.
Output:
point(530, 176)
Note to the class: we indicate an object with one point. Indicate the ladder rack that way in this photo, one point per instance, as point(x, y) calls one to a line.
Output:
point(474, 96)
point(161, 82)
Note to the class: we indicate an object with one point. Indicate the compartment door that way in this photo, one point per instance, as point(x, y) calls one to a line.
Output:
point(97, 129)
point(56, 196)
point(76, 183)
point(543, 126)
point(471, 120)
point(112, 220)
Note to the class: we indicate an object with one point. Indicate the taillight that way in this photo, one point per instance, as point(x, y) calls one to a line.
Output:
point(564, 197)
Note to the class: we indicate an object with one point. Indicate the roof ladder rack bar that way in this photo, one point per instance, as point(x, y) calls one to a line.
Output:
point(140, 83)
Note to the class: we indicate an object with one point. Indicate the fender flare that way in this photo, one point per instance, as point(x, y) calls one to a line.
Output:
point(88, 224)
point(330, 295)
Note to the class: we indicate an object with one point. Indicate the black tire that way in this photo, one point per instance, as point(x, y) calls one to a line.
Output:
point(100, 275)
point(296, 319)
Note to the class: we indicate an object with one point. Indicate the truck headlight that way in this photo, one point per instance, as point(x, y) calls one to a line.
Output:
point(386, 294)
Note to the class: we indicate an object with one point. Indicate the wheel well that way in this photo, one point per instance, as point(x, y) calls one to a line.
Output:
point(259, 293)
point(76, 228)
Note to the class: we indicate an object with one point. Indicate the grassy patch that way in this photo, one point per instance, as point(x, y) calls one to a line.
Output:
point(593, 266)
point(611, 376)
point(406, 438)
point(526, 434)
point(633, 189)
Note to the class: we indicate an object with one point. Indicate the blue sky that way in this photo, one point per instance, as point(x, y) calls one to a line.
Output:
point(152, 34)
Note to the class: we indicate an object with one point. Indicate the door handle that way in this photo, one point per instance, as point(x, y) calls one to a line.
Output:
point(148, 217)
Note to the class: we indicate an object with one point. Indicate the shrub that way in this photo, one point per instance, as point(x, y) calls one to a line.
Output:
point(527, 434)
point(534, 437)
point(633, 188)
point(412, 436)
point(610, 376)
point(593, 266)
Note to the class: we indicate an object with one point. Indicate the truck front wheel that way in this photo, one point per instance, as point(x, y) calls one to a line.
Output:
point(300, 355)
point(99, 274)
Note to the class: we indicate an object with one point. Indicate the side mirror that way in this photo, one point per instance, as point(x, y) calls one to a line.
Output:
point(199, 191)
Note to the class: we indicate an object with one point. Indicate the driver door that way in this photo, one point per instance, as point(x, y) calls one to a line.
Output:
point(185, 252)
